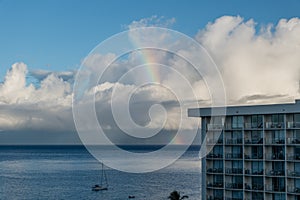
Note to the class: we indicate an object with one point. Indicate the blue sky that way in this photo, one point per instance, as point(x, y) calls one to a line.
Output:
point(56, 35)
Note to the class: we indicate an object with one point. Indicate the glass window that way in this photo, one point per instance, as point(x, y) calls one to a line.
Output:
point(256, 121)
point(237, 179)
point(278, 196)
point(278, 184)
point(256, 137)
point(237, 137)
point(297, 117)
point(218, 150)
point(257, 195)
point(218, 164)
point(257, 183)
point(277, 118)
point(218, 194)
point(257, 167)
point(237, 122)
point(297, 167)
point(257, 152)
point(278, 152)
point(278, 166)
point(278, 135)
point(218, 178)
point(297, 134)
point(237, 195)
point(297, 151)
point(237, 152)
point(237, 164)
point(297, 183)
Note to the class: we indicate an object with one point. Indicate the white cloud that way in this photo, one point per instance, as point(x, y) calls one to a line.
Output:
point(256, 66)
point(27, 107)
point(153, 21)
point(255, 63)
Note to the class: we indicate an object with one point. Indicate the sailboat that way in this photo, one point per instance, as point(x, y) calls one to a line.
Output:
point(103, 183)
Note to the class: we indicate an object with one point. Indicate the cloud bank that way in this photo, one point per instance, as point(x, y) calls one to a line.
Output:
point(259, 64)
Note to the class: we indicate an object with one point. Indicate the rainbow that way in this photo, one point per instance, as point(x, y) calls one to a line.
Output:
point(150, 59)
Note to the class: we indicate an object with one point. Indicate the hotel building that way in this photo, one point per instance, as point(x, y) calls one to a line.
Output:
point(252, 153)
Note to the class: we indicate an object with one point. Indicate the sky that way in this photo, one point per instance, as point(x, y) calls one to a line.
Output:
point(43, 44)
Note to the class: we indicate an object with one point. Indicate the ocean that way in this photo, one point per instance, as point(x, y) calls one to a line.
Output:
point(69, 172)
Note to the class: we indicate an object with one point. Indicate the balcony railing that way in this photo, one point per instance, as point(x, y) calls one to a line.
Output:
point(254, 172)
point(294, 173)
point(275, 172)
point(293, 140)
point(274, 125)
point(293, 157)
point(215, 126)
point(213, 155)
point(275, 188)
point(234, 141)
point(234, 185)
point(254, 141)
point(293, 124)
point(254, 156)
point(234, 156)
point(215, 170)
point(234, 171)
point(215, 198)
point(294, 190)
point(275, 140)
point(215, 184)
point(232, 198)
point(256, 187)
point(275, 156)
point(255, 198)
point(214, 141)
point(253, 125)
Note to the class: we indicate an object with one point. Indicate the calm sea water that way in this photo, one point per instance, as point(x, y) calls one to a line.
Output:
point(69, 172)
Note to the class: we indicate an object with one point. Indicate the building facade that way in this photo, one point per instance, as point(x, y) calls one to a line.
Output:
point(252, 153)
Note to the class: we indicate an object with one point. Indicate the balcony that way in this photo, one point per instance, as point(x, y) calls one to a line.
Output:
point(232, 198)
point(293, 141)
point(275, 188)
point(274, 141)
point(214, 156)
point(254, 172)
point(253, 125)
point(234, 156)
point(255, 187)
point(274, 125)
point(254, 156)
point(293, 174)
point(292, 125)
point(214, 141)
point(254, 141)
point(275, 156)
point(293, 157)
point(294, 190)
point(214, 127)
point(215, 198)
point(234, 171)
point(215, 185)
point(215, 170)
point(275, 173)
point(255, 198)
point(236, 186)
point(234, 141)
